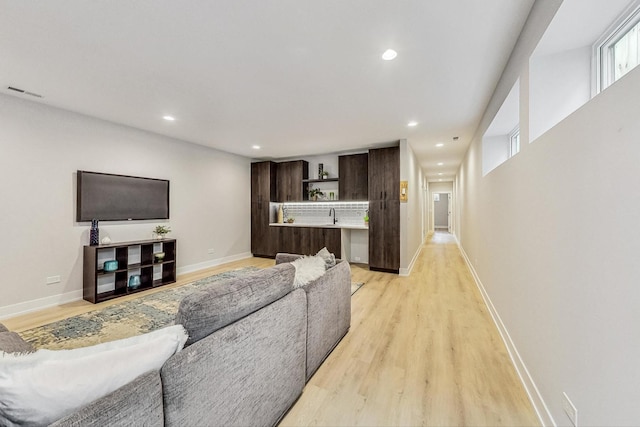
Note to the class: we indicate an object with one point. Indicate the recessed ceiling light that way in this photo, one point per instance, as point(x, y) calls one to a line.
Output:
point(412, 124)
point(169, 118)
point(440, 164)
point(440, 179)
point(255, 147)
point(440, 144)
point(440, 173)
point(389, 54)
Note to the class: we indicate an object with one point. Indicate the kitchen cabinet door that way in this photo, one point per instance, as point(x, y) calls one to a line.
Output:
point(262, 237)
point(263, 182)
point(354, 177)
point(289, 180)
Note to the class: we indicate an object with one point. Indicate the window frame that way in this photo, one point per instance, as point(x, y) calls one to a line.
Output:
point(602, 56)
point(514, 135)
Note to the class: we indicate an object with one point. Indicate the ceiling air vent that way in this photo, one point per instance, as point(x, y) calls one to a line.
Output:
point(15, 89)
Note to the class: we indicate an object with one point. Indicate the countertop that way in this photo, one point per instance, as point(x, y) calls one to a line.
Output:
point(338, 225)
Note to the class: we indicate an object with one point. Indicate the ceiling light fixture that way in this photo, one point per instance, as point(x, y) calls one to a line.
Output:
point(169, 118)
point(440, 144)
point(255, 147)
point(412, 124)
point(389, 54)
point(440, 173)
point(440, 164)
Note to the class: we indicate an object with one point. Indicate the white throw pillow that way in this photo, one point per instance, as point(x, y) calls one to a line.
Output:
point(42, 387)
point(328, 257)
point(308, 268)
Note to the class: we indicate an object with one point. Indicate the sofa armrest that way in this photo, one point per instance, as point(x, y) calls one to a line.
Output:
point(136, 403)
point(283, 257)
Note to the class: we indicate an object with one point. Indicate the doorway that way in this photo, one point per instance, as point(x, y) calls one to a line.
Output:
point(442, 211)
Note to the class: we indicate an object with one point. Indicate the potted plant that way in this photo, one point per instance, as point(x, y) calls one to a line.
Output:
point(314, 193)
point(366, 217)
point(161, 231)
point(325, 174)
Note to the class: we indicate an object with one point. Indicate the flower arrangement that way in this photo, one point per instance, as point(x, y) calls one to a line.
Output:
point(161, 231)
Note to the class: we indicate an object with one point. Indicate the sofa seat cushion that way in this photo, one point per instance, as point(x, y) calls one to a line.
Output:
point(222, 303)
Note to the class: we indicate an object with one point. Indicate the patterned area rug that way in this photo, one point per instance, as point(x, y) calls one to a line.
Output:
point(125, 319)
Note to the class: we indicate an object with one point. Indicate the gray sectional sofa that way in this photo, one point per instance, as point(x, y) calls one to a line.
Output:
point(254, 342)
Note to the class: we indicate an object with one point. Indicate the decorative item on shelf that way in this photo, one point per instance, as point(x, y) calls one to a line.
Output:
point(161, 231)
point(366, 217)
point(320, 170)
point(325, 174)
point(105, 240)
point(332, 195)
point(290, 220)
point(314, 193)
point(159, 256)
point(134, 281)
point(110, 265)
point(94, 233)
point(280, 213)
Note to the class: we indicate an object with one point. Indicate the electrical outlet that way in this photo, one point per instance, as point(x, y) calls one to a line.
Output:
point(210, 251)
point(53, 279)
point(570, 409)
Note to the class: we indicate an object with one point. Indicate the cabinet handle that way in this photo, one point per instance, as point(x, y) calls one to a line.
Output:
point(385, 195)
point(381, 195)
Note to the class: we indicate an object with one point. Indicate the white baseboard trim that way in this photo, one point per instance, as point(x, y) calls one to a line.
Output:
point(54, 300)
point(212, 263)
point(39, 304)
point(407, 271)
point(544, 415)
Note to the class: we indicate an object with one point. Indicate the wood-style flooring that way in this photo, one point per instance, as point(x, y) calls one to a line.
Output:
point(422, 350)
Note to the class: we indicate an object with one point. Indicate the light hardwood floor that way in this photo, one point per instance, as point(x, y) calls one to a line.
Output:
point(422, 350)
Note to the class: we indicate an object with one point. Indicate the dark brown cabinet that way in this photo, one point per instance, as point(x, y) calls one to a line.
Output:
point(289, 181)
point(354, 177)
point(308, 240)
point(263, 191)
point(133, 259)
point(384, 209)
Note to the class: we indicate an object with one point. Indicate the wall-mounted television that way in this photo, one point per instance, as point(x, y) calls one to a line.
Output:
point(109, 197)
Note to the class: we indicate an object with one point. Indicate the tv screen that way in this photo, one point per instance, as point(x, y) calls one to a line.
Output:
point(109, 197)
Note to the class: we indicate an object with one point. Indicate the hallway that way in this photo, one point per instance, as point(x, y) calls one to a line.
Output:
point(422, 350)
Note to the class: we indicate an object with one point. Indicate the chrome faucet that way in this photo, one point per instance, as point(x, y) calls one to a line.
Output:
point(334, 215)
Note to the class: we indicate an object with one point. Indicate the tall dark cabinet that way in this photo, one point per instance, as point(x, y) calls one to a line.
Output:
point(384, 209)
point(263, 191)
point(354, 177)
point(289, 180)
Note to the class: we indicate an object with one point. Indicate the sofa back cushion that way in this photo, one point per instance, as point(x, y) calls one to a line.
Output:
point(221, 303)
point(248, 373)
point(11, 342)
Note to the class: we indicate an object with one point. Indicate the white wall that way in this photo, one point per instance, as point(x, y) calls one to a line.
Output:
point(41, 150)
point(411, 237)
point(440, 187)
point(495, 151)
point(559, 84)
point(563, 283)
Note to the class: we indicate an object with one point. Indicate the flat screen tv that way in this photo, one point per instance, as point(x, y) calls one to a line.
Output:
point(109, 197)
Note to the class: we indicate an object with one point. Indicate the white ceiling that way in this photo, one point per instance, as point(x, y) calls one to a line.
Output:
point(297, 77)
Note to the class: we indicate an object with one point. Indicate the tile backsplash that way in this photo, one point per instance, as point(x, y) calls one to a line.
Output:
point(347, 213)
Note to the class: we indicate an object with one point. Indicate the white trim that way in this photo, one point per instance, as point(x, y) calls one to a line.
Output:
point(55, 300)
point(38, 304)
point(544, 415)
point(407, 271)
